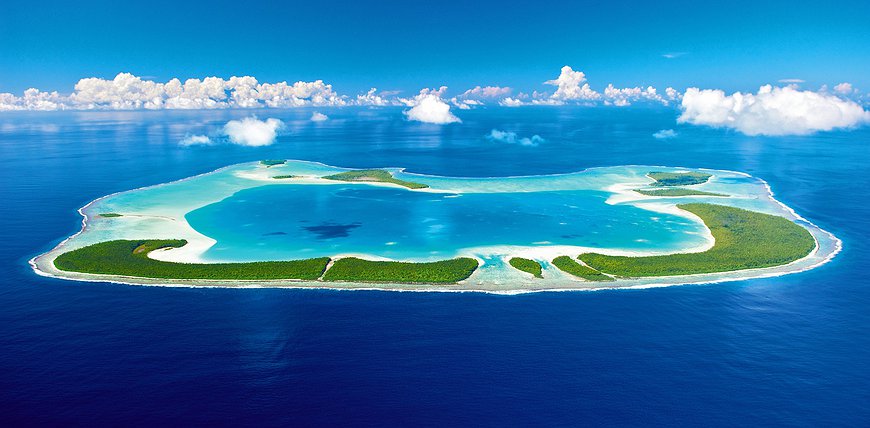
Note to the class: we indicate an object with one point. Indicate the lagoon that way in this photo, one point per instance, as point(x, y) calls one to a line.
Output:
point(241, 214)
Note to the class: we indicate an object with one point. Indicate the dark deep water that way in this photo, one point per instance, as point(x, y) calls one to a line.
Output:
point(792, 350)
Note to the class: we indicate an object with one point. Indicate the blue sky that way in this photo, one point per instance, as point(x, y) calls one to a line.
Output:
point(400, 45)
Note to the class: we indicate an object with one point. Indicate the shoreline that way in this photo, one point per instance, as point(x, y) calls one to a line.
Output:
point(42, 264)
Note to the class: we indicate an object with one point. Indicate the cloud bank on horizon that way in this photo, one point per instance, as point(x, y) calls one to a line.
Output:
point(771, 111)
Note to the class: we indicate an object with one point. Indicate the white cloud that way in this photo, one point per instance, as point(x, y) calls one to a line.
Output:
point(672, 55)
point(665, 134)
point(128, 92)
point(195, 140)
point(762, 113)
point(486, 92)
point(510, 102)
point(319, 117)
point(572, 87)
point(429, 107)
point(772, 111)
point(372, 98)
point(625, 96)
point(465, 104)
point(512, 138)
point(569, 86)
point(251, 131)
point(844, 88)
point(32, 99)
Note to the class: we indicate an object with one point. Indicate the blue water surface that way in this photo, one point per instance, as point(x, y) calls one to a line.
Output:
point(786, 351)
point(276, 222)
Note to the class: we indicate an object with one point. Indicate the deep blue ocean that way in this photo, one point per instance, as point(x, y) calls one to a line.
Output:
point(786, 351)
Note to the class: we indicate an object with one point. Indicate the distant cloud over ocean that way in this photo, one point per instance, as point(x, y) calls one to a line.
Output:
point(771, 111)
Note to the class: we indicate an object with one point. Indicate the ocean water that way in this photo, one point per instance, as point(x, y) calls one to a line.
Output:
point(791, 350)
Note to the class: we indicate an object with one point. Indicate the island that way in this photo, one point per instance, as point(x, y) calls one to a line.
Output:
point(387, 229)
point(679, 178)
point(130, 258)
point(268, 163)
point(527, 265)
point(742, 240)
point(374, 175)
point(677, 191)
point(569, 265)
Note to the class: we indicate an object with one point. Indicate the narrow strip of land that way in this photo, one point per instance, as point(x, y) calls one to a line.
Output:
point(676, 191)
point(678, 178)
point(444, 271)
point(527, 265)
point(272, 162)
point(374, 175)
point(569, 265)
point(130, 258)
point(743, 240)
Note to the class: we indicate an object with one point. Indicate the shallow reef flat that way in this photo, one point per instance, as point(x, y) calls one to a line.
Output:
point(385, 228)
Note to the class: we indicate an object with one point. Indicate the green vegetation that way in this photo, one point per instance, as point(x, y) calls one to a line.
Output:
point(272, 162)
point(527, 265)
point(676, 191)
point(678, 178)
point(571, 266)
point(130, 258)
point(376, 175)
point(744, 240)
point(279, 177)
point(109, 215)
point(444, 271)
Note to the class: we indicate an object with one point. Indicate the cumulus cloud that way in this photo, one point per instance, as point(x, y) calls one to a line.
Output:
point(844, 88)
point(253, 132)
point(32, 99)
point(429, 107)
point(195, 140)
point(372, 98)
point(571, 86)
point(772, 111)
point(665, 134)
point(486, 92)
point(625, 96)
point(512, 138)
point(319, 117)
point(510, 102)
point(129, 92)
point(762, 113)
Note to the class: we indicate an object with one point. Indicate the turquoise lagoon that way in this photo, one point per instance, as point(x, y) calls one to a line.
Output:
point(241, 213)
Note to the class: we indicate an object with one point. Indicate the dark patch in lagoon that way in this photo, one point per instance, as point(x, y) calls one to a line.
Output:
point(274, 233)
point(332, 230)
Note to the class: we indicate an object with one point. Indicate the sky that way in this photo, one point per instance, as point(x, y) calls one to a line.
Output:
point(406, 45)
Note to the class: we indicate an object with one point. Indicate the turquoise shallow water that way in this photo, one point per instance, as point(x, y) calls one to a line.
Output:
point(280, 222)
